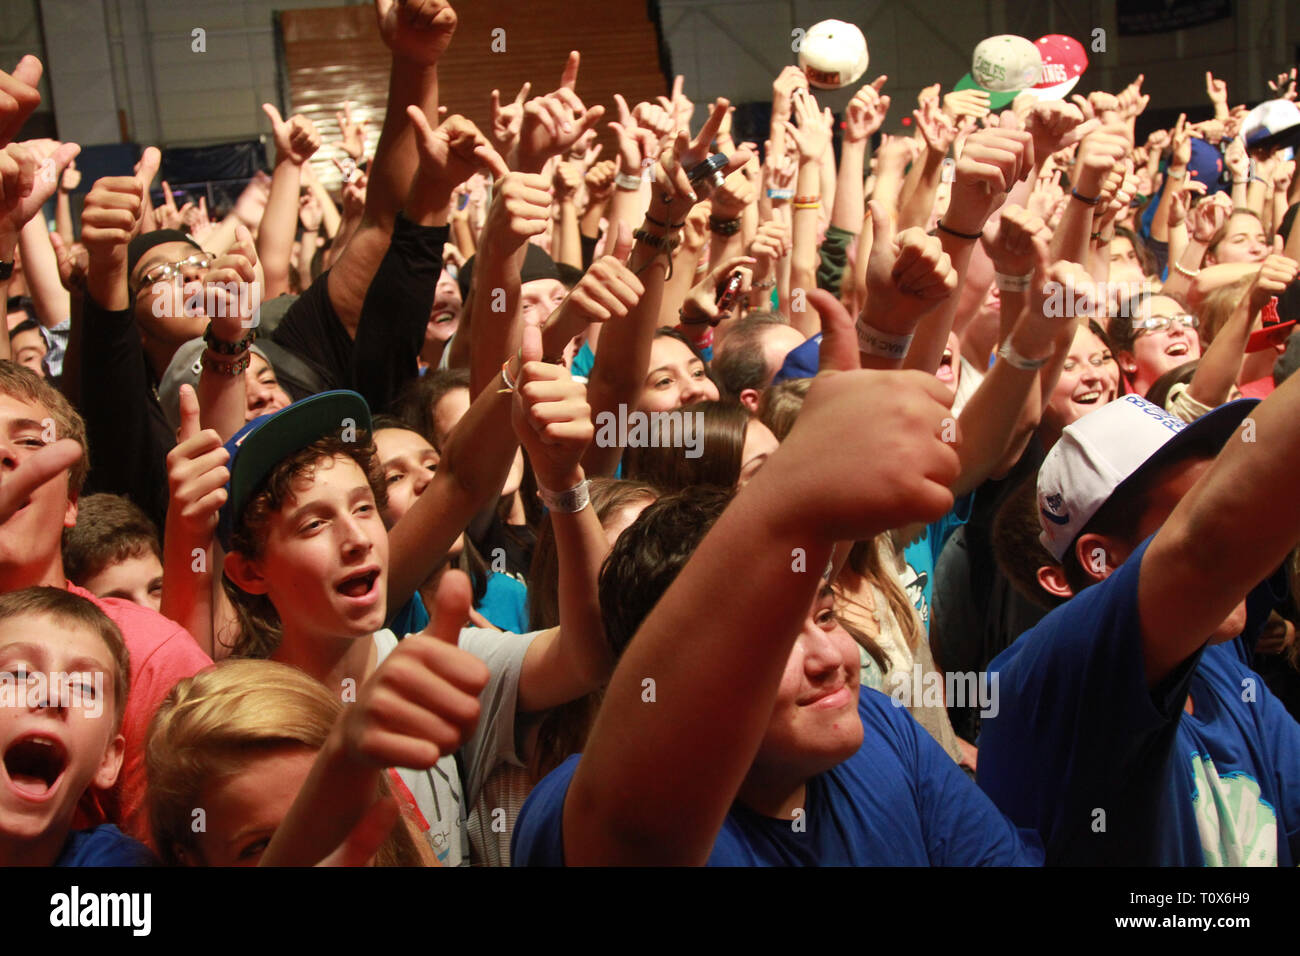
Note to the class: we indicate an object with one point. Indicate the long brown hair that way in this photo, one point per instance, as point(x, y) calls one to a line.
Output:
point(664, 463)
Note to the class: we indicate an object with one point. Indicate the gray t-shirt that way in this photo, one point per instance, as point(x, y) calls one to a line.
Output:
point(440, 793)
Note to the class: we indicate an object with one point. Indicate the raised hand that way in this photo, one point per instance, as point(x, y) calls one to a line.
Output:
point(19, 96)
point(1284, 86)
point(455, 151)
point(230, 273)
point(1099, 153)
point(783, 87)
point(908, 275)
point(961, 103)
point(554, 122)
point(701, 303)
point(1132, 101)
point(169, 217)
point(734, 195)
point(309, 212)
point(600, 180)
point(608, 290)
point(71, 177)
point(770, 243)
point(114, 209)
point(196, 473)
point(521, 208)
point(866, 111)
point(27, 181)
point(938, 130)
point(1054, 126)
point(551, 416)
point(296, 139)
point(353, 132)
point(637, 146)
point(673, 193)
point(813, 133)
point(678, 106)
point(1208, 216)
point(992, 161)
point(1013, 240)
point(1276, 273)
point(1237, 161)
point(1217, 91)
point(508, 120)
point(1180, 140)
point(417, 31)
point(422, 701)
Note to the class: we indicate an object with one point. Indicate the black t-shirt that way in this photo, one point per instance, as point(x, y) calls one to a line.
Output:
point(390, 330)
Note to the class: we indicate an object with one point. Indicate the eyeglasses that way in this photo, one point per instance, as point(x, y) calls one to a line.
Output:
point(165, 271)
point(1161, 323)
point(1097, 360)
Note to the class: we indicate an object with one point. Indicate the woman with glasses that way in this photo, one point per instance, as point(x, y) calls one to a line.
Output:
point(1089, 379)
point(1154, 334)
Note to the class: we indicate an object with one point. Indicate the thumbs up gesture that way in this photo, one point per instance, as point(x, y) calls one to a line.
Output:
point(422, 701)
point(908, 275)
point(113, 212)
point(551, 416)
point(196, 473)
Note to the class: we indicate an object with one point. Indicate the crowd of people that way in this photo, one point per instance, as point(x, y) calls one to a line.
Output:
point(847, 498)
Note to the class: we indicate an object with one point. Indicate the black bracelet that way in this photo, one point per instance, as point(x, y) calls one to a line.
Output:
point(724, 227)
point(663, 225)
point(1084, 199)
point(953, 232)
point(228, 348)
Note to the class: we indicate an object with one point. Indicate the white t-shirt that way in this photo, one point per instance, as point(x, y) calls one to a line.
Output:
point(440, 794)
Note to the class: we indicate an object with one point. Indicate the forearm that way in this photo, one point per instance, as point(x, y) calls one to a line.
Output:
point(926, 350)
point(307, 250)
point(1178, 240)
point(619, 372)
point(803, 256)
point(1200, 565)
point(919, 190)
point(1179, 282)
point(1070, 241)
point(494, 326)
point(577, 661)
point(188, 582)
point(7, 246)
point(222, 236)
point(41, 270)
point(686, 756)
point(395, 161)
point(847, 211)
point(569, 245)
point(1220, 365)
point(336, 794)
point(685, 260)
point(330, 217)
point(1160, 221)
point(63, 218)
point(463, 235)
point(279, 222)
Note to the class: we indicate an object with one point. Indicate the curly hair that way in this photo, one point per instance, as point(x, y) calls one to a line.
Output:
point(259, 622)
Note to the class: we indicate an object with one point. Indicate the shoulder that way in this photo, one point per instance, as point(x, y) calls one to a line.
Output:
point(152, 640)
point(104, 845)
point(539, 832)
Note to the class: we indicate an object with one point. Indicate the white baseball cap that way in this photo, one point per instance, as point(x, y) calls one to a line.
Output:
point(1006, 62)
point(1109, 449)
point(833, 54)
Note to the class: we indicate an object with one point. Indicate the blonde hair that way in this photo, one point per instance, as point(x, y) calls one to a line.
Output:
point(212, 724)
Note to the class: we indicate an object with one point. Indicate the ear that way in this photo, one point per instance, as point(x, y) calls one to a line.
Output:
point(70, 513)
point(1127, 363)
point(1051, 578)
point(108, 769)
point(1097, 555)
point(245, 573)
point(749, 398)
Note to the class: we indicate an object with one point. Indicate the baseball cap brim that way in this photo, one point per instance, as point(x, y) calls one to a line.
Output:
point(997, 101)
point(1057, 91)
point(1269, 336)
point(1212, 429)
point(264, 442)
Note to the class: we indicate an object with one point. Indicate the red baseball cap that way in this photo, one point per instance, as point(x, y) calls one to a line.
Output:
point(1063, 63)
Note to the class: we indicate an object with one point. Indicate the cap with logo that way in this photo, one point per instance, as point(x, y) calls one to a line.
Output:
point(264, 442)
point(1063, 63)
point(1000, 62)
point(1111, 449)
point(1273, 123)
point(833, 54)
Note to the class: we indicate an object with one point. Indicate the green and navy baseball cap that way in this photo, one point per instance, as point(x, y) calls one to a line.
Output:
point(264, 442)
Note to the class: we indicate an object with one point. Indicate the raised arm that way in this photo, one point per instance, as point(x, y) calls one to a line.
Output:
point(296, 141)
point(881, 463)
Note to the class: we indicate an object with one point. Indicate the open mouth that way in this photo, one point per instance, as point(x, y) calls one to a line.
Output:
point(945, 373)
point(34, 764)
point(1090, 397)
point(1177, 348)
point(358, 586)
point(440, 318)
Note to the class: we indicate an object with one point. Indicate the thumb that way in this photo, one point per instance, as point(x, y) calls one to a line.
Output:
point(839, 349)
point(569, 79)
point(189, 414)
point(274, 114)
point(149, 164)
point(28, 70)
point(421, 121)
point(1277, 245)
point(882, 226)
point(622, 241)
point(450, 607)
point(363, 842)
point(532, 342)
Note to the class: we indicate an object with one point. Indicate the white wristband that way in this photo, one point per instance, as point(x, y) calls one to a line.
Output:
point(1016, 360)
point(872, 341)
point(567, 502)
point(624, 181)
point(1008, 283)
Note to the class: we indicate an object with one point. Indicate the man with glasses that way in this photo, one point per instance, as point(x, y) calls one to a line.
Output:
point(1153, 335)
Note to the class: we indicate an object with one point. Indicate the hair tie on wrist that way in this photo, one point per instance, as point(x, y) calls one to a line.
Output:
point(1086, 200)
point(953, 232)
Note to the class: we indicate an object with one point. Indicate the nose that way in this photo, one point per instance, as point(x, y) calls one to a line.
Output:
point(821, 655)
point(692, 391)
point(354, 540)
point(422, 478)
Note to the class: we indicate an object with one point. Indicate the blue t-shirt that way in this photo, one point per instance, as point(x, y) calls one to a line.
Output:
point(922, 553)
point(104, 845)
point(899, 801)
point(582, 362)
point(1111, 772)
point(504, 604)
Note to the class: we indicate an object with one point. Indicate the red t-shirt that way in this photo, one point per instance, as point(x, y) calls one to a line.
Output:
point(1260, 388)
point(162, 653)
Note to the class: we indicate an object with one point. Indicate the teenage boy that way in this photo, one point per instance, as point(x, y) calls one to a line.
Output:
point(1130, 729)
point(60, 729)
point(753, 743)
point(32, 414)
point(114, 551)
